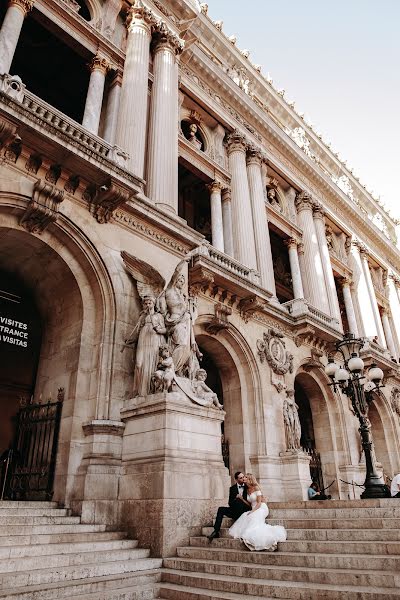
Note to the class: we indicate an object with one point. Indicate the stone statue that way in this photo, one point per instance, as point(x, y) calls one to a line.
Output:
point(147, 336)
point(166, 349)
point(292, 422)
point(165, 373)
point(193, 139)
point(273, 200)
point(201, 390)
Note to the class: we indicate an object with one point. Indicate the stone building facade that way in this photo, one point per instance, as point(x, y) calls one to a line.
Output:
point(139, 143)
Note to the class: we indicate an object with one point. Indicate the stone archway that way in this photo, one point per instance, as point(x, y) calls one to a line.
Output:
point(76, 303)
point(384, 435)
point(325, 428)
point(243, 427)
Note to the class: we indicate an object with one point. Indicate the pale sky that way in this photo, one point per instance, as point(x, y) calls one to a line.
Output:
point(339, 60)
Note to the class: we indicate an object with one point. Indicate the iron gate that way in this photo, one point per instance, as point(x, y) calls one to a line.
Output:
point(315, 467)
point(29, 465)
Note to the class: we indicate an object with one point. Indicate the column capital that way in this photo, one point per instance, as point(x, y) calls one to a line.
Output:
point(226, 194)
point(346, 281)
point(395, 278)
point(164, 38)
point(254, 155)
point(362, 248)
point(304, 201)
point(215, 187)
point(24, 5)
point(318, 211)
point(99, 63)
point(139, 14)
point(236, 141)
point(291, 243)
point(300, 248)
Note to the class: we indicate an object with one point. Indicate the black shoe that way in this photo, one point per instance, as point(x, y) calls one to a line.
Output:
point(214, 534)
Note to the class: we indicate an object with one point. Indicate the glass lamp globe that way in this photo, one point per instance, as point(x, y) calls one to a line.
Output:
point(355, 364)
point(375, 374)
point(342, 375)
point(331, 368)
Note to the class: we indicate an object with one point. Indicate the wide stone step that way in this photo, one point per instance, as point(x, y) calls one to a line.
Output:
point(328, 504)
point(12, 565)
point(235, 551)
point(62, 574)
point(33, 511)
point(336, 523)
point(11, 530)
point(176, 592)
point(354, 577)
point(35, 520)
point(388, 512)
point(8, 552)
point(342, 547)
point(28, 504)
point(60, 538)
point(386, 535)
point(294, 590)
point(95, 588)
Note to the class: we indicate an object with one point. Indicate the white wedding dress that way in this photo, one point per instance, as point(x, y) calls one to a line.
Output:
point(252, 529)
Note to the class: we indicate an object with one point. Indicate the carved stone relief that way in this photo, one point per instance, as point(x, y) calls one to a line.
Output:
point(395, 400)
point(272, 348)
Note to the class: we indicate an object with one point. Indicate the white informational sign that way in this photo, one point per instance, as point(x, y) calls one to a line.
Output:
point(13, 332)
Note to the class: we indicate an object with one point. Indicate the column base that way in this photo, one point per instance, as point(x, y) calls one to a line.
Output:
point(295, 474)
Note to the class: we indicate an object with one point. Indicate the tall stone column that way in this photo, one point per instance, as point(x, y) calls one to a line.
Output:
point(372, 297)
point(348, 303)
point(242, 219)
point(162, 177)
point(217, 231)
point(112, 110)
point(300, 252)
point(10, 31)
point(316, 290)
point(388, 333)
point(132, 118)
point(367, 325)
point(394, 303)
point(291, 244)
point(260, 220)
point(227, 221)
point(319, 222)
point(94, 98)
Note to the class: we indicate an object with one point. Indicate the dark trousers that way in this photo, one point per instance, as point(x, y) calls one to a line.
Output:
point(397, 495)
point(320, 497)
point(227, 511)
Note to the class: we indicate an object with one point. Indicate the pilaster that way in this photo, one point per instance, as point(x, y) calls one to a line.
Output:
point(292, 246)
point(348, 303)
point(227, 221)
point(217, 230)
point(94, 99)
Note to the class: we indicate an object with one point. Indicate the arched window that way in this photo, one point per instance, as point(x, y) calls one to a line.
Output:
point(84, 10)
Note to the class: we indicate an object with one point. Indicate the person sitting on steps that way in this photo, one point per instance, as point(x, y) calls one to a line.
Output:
point(314, 493)
point(237, 504)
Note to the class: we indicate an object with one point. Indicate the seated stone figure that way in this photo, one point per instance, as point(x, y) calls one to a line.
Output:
point(165, 374)
point(201, 390)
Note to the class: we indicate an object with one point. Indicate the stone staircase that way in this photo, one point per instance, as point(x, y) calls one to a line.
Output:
point(46, 554)
point(335, 550)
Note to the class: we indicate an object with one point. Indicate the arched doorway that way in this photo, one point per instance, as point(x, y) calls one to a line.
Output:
point(382, 452)
point(320, 433)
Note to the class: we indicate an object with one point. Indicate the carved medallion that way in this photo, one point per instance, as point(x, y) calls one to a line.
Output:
point(272, 349)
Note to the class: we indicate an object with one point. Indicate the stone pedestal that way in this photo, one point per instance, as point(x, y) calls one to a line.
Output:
point(352, 479)
point(174, 476)
point(295, 474)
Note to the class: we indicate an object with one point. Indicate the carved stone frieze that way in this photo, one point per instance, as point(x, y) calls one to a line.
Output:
point(108, 198)
point(14, 149)
point(43, 207)
point(53, 174)
point(272, 348)
point(395, 400)
point(8, 132)
point(200, 279)
point(34, 163)
point(220, 320)
point(72, 184)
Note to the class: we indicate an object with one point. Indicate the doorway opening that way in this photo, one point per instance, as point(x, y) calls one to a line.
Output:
point(194, 200)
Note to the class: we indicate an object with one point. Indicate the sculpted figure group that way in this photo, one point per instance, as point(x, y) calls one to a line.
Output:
point(166, 354)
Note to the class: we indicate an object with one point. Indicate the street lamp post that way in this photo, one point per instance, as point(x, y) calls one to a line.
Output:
point(350, 379)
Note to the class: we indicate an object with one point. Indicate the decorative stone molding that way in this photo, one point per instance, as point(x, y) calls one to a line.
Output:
point(72, 4)
point(33, 163)
point(395, 400)
point(250, 305)
point(53, 174)
point(108, 198)
point(25, 5)
point(164, 38)
point(72, 184)
point(12, 86)
point(200, 280)
point(220, 319)
point(236, 141)
point(14, 149)
point(104, 426)
point(8, 132)
point(43, 207)
point(99, 63)
point(272, 348)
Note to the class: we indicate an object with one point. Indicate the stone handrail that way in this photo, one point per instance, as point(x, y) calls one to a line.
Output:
point(298, 307)
point(230, 263)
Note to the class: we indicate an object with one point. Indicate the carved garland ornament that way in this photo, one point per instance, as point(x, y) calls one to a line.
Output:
point(272, 349)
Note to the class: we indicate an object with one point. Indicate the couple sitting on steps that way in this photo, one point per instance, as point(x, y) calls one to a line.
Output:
point(247, 507)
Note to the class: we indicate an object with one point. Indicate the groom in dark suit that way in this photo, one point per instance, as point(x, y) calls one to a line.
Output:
point(237, 504)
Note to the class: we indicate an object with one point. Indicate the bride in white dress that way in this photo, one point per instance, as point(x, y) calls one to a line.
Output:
point(251, 527)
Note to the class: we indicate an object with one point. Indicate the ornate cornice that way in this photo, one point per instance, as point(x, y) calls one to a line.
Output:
point(164, 38)
point(25, 5)
point(236, 142)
